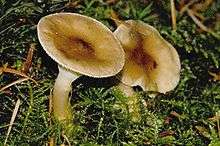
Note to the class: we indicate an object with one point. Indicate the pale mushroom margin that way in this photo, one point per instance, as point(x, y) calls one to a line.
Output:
point(81, 46)
point(151, 62)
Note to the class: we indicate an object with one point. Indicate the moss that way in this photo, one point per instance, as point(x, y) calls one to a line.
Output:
point(101, 116)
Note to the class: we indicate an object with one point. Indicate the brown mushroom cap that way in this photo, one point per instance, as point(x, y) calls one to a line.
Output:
point(151, 62)
point(81, 44)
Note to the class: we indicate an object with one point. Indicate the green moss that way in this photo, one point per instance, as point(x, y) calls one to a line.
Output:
point(101, 113)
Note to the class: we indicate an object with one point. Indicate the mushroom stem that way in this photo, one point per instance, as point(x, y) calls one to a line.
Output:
point(133, 102)
point(61, 105)
point(127, 90)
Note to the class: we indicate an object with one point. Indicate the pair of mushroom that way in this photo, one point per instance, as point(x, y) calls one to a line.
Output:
point(83, 46)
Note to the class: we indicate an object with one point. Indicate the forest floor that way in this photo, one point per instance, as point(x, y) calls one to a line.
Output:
point(188, 115)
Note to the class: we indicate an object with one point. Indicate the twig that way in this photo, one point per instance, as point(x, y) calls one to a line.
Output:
point(13, 71)
point(9, 27)
point(173, 14)
point(203, 27)
point(202, 18)
point(66, 138)
point(186, 7)
point(216, 76)
point(28, 62)
point(13, 83)
point(202, 6)
point(12, 119)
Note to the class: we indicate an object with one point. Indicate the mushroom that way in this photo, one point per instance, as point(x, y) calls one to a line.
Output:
point(81, 46)
point(151, 62)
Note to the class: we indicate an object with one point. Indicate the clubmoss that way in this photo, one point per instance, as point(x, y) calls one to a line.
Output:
point(188, 115)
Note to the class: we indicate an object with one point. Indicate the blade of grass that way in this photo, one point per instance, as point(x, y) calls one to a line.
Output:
point(173, 14)
point(146, 11)
point(202, 26)
point(66, 139)
point(30, 108)
point(12, 119)
point(191, 14)
point(13, 83)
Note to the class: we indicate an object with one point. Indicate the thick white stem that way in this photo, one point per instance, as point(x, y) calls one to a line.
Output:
point(127, 90)
point(60, 101)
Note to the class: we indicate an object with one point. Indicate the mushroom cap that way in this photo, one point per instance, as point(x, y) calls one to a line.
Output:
point(151, 62)
point(81, 44)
